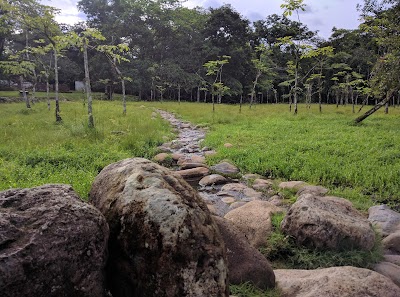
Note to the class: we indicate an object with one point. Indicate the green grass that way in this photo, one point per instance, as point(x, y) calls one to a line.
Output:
point(358, 162)
point(34, 150)
point(283, 252)
point(248, 290)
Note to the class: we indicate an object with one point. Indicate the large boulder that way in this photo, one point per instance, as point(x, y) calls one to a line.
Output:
point(387, 220)
point(392, 242)
point(328, 222)
point(336, 281)
point(254, 221)
point(245, 263)
point(51, 243)
point(163, 241)
point(389, 270)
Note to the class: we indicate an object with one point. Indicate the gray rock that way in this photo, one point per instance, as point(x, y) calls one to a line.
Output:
point(292, 185)
point(262, 184)
point(213, 179)
point(225, 168)
point(389, 270)
point(387, 220)
point(254, 221)
point(328, 222)
point(394, 259)
point(314, 190)
point(335, 281)
point(392, 242)
point(163, 241)
point(240, 192)
point(245, 263)
point(51, 243)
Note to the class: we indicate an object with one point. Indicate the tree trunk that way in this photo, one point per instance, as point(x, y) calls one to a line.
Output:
point(179, 94)
point(198, 94)
point(375, 108)
point(48, 91)
point(123, 96)
point(213, 103)
point(241, 101)
point(253, 91)
point(87, 85)
point(387, 107)
point(58, 117)
point(26, 99)
point(296, 84)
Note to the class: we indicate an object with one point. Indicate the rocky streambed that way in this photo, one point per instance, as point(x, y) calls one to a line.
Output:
point(247, 202)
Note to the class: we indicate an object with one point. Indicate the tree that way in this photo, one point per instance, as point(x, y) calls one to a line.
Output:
point(82, 42)
point(381, 20)
point(215, 68)
point(263, 66)
point(289, 6)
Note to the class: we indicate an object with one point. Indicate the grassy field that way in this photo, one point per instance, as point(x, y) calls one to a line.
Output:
point(34, 150)
point(361, 163)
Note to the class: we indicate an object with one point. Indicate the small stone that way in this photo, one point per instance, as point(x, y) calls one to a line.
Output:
point(213, 179)
point(254, 221)
point(292, 185)
point(225, 168)
point(228, 200)
point(210, 153)
point(251, 176)
point(162, 157)
point(194, 172)
point(228, 145)
point(262, 184)
point(315, 190)
point(387, 220)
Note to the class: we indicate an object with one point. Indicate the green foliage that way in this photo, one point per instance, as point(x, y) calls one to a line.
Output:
point(35, 151)
point(248, 290)
point(284, 253)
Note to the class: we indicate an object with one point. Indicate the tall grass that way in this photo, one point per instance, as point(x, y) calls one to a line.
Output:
point(360, 162)
point(34, 150)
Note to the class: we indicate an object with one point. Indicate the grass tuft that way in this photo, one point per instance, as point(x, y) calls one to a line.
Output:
point(248, 290)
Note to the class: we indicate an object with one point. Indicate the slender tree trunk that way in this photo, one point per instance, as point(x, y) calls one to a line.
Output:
point(213, 103)
point(296, 84)
point(48, 91)
point(364, 103)
point(387, 107)
point(58, 117)
point(205, 96)
point(253, 91)
point(198, 94)
point(26, 99)
point(87, 85)
point(374, 109)
point(179, 94)
point(241, 101)
point(123, 96)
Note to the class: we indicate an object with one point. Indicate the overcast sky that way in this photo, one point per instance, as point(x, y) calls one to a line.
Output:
point(321, 15)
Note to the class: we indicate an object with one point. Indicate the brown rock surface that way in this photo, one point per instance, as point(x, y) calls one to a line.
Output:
point(328, 222)
point(254, 220)
point(314, 190)
point(213, 179)
point(387, 220)
point(51, 243)
point(225, 168)
point(240, 192)
point(245, 263)
point(389, 270)
point(392, 242)
point(292, 185)
point(334, 282)
point(262, 184)
point(163, 241)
